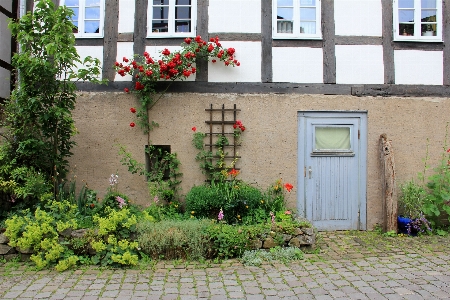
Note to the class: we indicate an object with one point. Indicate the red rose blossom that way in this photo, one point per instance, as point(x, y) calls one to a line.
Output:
point(133, 110)
point(187, 40)
point(194, 129)
point(126, 90)
point(132, 124)
point(214, 60)
point(125, 59)
point(165, 52)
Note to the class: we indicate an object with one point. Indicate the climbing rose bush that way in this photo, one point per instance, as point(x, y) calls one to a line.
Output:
point(147, 70)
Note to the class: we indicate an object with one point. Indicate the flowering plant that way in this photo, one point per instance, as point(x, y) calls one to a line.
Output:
point(177, 65)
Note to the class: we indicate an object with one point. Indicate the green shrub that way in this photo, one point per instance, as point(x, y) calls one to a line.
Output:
point(173, 239)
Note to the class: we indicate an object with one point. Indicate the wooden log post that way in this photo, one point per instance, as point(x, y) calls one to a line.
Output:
point(388, 182)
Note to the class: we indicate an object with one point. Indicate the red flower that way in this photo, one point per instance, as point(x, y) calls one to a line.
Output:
point(165, 52)
point(194, 129)
point(92, 205)
point(242, 128)
point(448, 150)
point(193, 70)
point(227, 63)
point(233, 172)
point(238, 64)
point(133, 110)
point(139, 86)
point(125, 59)
point(132, 124)
point(126, 90)
point(214, 60)
point(231, 51)
point(288, 186)
point(211, 40)
point(116, 64)
point(148, 72)
point(210, 48)
point(198, 38)
point(186, 73)
point(187, 40)
point(146, 54)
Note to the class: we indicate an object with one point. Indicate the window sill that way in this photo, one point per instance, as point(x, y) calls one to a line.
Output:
point(297, 37)
point(418, 40)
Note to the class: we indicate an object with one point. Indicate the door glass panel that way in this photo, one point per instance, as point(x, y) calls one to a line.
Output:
point(332, 138)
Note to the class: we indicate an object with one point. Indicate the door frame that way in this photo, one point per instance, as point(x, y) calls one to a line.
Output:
point(362, 162)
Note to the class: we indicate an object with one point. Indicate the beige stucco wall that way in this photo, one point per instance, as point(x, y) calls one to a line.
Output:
point(269, 148)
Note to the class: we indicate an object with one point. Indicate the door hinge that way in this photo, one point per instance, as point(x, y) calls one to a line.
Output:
point(359, 134)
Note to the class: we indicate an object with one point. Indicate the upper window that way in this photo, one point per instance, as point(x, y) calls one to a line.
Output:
point(418, 20)
point(87, 18)
point(171, 18)
point(296, 19)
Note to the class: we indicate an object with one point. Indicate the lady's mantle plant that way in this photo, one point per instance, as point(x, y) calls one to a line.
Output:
point(38, 116)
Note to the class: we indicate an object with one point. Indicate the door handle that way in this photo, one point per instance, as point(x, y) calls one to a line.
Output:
point(310, 172)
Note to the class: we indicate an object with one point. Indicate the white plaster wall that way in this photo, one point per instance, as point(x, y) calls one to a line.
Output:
point(94, 52)
point(292, 64)
point(358, 17)
point(418, 67)
point(126, 16)
point(249, 55)
point(359, 64)
point(124, 49)
point(4, 83)
point(5, 36)
point(235, 16)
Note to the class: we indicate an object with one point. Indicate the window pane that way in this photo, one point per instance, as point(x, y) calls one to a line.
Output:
point(428, 15)
point(160, 2)
point(332, 138)
point(75, 28)
point(406, 15)
point(307, 2)
point(406, 3)
point(71, 3)
point(406, 29)
point(75, 16)
point(308, 27)
point(183, 26)
point(307, 14)
point(284, 3)
point(160, 25)
point(428, 3)
point(92, 3)
point(285, 13)
point(284, 26)
point(160, 12)
point(182, 12)
point(92, 13)
point(183, 2)
point(91, 26)
point(428, 29)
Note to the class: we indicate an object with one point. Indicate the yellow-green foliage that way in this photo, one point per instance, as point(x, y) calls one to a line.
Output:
point(115, 220)
point(111, 243)
point(67, 263)
point(40, 232)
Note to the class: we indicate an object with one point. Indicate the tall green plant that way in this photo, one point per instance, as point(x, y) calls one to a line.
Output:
point(38, 116)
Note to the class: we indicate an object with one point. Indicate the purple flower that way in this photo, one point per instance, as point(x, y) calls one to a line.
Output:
point(272, 216)
point(121, 201)
point(220, 216)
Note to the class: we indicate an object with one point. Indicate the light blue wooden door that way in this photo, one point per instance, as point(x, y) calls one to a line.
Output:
point(332, 169)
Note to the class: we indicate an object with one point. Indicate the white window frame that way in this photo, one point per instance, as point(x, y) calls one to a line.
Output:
point(171, 33)
point(81, 19)
point(398, 36)
point(296, 34)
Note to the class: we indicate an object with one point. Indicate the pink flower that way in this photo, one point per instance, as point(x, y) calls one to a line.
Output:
point(288, 212)
point(220, 216)
point(120, 201)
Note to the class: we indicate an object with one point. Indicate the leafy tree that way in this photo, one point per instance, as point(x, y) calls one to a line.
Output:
point(38, 123)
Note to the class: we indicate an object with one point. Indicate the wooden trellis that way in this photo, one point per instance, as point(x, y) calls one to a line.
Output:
point(221, 121)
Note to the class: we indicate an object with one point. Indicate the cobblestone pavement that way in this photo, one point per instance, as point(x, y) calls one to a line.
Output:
point(349, 265)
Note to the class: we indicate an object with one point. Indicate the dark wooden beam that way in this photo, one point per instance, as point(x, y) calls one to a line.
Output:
point(329, 51)
point(111, 32)
point(446, 37)
point(266, 41)
point(202, 30)
point(388, 50)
